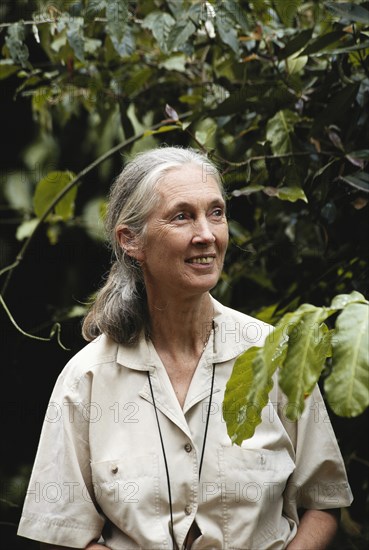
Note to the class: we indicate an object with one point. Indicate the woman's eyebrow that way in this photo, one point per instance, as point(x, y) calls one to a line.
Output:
point(183, 205)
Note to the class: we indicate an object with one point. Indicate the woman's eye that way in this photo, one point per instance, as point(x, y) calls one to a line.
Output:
point(180, 217)
point(218, 212)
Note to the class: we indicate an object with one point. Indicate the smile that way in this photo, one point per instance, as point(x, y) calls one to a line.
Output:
point(201, 260)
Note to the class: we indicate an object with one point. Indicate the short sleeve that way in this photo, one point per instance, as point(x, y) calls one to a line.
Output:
point(60, 507)
point(319, 480)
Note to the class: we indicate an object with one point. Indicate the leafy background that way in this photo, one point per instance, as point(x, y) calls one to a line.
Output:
point(277, 92)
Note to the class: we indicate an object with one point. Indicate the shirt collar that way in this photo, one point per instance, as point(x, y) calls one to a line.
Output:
point(234, 333)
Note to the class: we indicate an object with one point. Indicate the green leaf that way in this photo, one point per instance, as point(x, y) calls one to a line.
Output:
point(322, 42)
point(249, 190)
point(176, 7)
point(76, 311)
point(94, 7)
point(75, 36)
point(26, 228)
point(117, 15)
point(160, 24)
point(291, 194)
point(17, 190)
point(296, 44)
point(239, 233)
point(174, 63)
point(308, 347)
point(205, 135)
point(91, 45)
point(126, 46)
point(226, 29)
point(346, 387)
point(15, 42)
point(249, 385)
point(287, 10)
point(359, 180)
point(361, 154)
point(342, 300)
point(48, 189)
point(244, 396)
point(349, 11)
point(7, 68)
point(296, 63)
point(346, 49)
point(236, 13)
point(162, 129)
point(280, 129)
point(179, 34)
point(93, 216)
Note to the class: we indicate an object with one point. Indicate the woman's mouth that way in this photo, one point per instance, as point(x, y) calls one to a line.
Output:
point(201, 260)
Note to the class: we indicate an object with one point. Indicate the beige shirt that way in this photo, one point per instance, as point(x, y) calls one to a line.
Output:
point(99, 469)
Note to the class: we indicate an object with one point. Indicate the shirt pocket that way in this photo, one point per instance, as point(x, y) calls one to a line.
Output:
point(252, 485)
point(127, 490)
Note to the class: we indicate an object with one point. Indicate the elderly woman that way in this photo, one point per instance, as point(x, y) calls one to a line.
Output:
point(134, 453)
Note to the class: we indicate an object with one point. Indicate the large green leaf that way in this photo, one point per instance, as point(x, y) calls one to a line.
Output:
point(243, 398)
point(298, 346)
point(347, 386)
point(249, 385)
point(308, 347)
point(343, 300)
point(280, 130)
point(47, 191)
point(235, 397)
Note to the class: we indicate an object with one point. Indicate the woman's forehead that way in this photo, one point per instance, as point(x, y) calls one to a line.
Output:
point(187, 181)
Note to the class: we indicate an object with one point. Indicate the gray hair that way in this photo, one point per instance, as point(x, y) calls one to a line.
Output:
point(120, 307)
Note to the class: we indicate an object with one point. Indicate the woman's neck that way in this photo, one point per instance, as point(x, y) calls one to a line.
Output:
point(181, 326)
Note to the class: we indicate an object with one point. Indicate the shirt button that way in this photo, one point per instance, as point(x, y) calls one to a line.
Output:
point(187, 510)
point(188, 447)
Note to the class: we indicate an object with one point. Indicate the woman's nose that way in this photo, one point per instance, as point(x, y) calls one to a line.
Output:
point(203, 232)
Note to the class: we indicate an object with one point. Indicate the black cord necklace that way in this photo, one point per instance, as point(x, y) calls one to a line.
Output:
point(174, 543)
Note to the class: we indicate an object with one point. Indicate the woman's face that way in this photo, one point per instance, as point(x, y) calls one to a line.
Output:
point(186, 236)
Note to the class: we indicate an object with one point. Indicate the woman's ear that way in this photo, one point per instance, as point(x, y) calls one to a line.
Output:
point(129, 242)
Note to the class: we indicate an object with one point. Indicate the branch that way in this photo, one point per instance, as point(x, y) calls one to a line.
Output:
point(44, 21)
point(271, 157)
point(55, 329)
point(66, 189)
